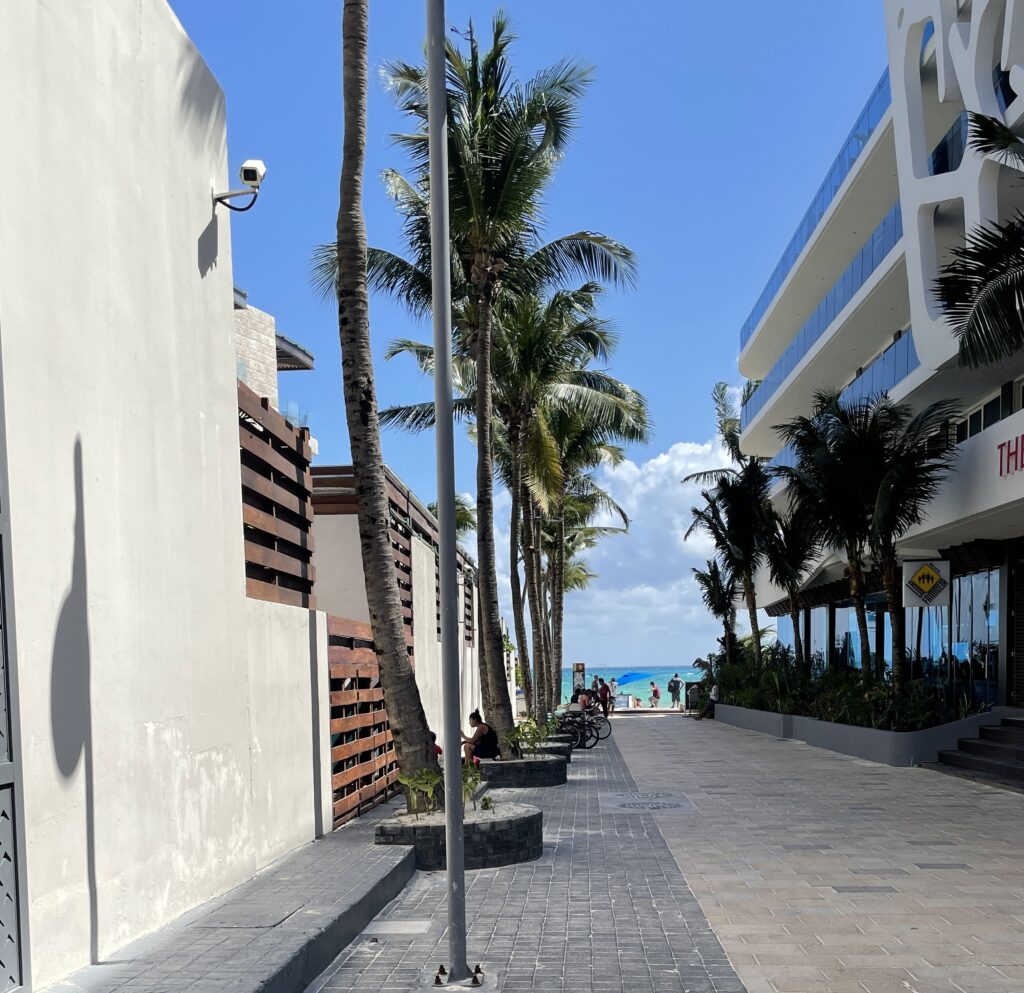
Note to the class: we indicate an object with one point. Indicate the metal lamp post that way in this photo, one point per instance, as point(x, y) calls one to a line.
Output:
point(440, 268)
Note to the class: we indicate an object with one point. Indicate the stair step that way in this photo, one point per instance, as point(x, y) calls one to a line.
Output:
point(1011, 750)
point(1004, 768)
point(974, 776)
point(1009, 736)
point(1013, 722)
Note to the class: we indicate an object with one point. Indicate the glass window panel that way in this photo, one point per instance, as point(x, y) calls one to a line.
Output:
point(991, 412)
point(974, 423)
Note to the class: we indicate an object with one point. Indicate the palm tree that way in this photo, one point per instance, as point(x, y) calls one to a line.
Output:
point(737, 514)
point(864, 475)
point(405, 710)
point(465, 516)
point(719, 593)
point(541, 368)
point(981, 291)
point(918, 460)
point(790, 550)
point(505, 139)
point(838, 450)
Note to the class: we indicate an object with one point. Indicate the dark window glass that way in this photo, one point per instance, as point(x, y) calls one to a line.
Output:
point(974, 424)
point(991, 412)
point(961, 432)
point(1006, 399)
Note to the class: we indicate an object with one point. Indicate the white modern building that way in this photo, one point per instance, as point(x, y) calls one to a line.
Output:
point(849, 306)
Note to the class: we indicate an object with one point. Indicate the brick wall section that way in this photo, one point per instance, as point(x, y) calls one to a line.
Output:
point(256, 348)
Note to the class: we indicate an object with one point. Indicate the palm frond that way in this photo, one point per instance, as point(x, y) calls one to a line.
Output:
point(990, 136)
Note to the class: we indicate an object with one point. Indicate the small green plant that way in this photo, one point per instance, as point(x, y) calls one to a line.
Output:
point(487, 803)
point(422, 785)
point(470, 781)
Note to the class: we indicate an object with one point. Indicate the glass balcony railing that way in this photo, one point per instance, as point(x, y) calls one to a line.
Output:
point(874, 251)
point(897, 362)
point(871, 116)
point(949, 152)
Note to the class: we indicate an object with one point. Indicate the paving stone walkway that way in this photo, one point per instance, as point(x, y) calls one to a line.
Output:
point(605, 908)
point(822, 873)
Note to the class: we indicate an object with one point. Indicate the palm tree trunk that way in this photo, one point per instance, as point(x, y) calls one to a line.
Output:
point(533, 593)
point(897, 616)
point(751, 598)
point(798, 641)
point(515, 523)
point(557, 570)
point(857, 594)
point(554, 673)
point(401, 695)
point(499, 708)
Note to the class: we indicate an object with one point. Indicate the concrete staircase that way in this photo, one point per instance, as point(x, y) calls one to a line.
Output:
point(998, 755)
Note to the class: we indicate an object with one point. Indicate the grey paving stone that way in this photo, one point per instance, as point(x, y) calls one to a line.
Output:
point(274, 933)
point(605, 909)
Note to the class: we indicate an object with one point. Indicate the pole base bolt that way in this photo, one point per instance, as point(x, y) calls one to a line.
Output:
point(442, 971)
point(476, 981)
point(478, 971)
point(437, 980)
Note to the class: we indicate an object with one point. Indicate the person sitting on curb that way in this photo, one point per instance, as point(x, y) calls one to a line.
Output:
point(483, 743)
point(655, 698)
point(709, 707)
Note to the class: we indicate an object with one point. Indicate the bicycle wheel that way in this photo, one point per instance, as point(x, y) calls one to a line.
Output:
point(604, 727)
point(590, 730)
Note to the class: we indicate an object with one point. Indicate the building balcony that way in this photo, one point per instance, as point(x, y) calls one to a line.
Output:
point(870, 256)
point(862, 326)
point(851, 201)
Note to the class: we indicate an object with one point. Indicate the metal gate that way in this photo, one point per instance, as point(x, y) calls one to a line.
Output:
point(14, 946)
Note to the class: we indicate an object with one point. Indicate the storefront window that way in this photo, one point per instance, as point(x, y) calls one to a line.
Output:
point(975, 649)
point(928, 644)
point(848, 650)
point(819, 639)
point(784, 631)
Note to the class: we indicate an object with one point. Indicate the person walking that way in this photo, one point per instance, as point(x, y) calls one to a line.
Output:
point(675, 687)
point(613, 692)
point(655, 698)
point(603, 693)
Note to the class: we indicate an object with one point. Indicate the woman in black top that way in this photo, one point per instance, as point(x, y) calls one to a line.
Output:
point(483, 743)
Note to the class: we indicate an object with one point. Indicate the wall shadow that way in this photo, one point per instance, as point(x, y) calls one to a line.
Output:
point(208, 246)
point(70, 701)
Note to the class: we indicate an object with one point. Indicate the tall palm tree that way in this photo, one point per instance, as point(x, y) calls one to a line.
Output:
point(737, 514)
point(981, 291)
point(504, 141)
point(790, 550)
point(405, 710)
point(719, 593)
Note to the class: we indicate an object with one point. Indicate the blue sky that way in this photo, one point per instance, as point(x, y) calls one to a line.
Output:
point(701, 143)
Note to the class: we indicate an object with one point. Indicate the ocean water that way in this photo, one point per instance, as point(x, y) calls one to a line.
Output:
point(638, 687)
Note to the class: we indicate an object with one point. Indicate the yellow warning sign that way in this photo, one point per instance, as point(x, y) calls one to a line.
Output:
point(927, 582)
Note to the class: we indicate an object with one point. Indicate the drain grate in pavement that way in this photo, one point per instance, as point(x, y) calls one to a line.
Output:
point(645, 803)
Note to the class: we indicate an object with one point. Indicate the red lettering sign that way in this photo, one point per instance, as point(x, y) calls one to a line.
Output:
point(1011, 456)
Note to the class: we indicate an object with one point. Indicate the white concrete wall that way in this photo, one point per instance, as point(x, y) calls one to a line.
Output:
point(426, 647)
point(168, 740)
point(340, 581)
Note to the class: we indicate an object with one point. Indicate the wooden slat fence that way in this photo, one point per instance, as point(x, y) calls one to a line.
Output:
point(277, 505)
point(364, 767)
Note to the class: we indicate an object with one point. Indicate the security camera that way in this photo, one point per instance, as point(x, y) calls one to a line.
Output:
point(252, 173)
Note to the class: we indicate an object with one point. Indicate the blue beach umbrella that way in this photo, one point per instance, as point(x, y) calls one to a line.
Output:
point(633, 676)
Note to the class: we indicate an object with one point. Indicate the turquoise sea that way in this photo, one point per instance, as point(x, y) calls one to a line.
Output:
point(640, 687)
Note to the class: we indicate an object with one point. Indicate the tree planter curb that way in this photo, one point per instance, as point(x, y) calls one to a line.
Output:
point(543, 770)
point(896, 748)
point(510, 833)
point(553, 748)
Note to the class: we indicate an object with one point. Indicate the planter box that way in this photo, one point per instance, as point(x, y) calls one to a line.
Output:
point(559, 739)
point(544, 770)
point(897, 748)
point(510, 833)
point(555, 748)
